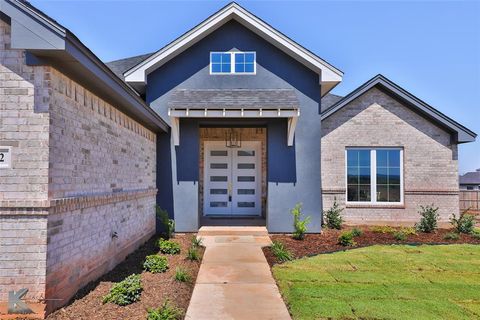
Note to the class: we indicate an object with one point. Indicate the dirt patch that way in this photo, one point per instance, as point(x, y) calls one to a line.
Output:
point(327, 241)
point(87, 304)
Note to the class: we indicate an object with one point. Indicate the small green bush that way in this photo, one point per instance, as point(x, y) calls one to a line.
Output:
point(476, 233)
point(280, 252)
point(346, 239)
point(409, 231)
point(126, 291)
point(165, 312)
point(356, 232)
point(383, 229)
point(333, 218)
point(299, 225)
point(429, 220)
point(192, 254)
point(168, 246)
point(182, 275)
point(155, 263)
point(196, 242)
point(451, 236)
point(400, 235)
point(465, 223)
point(168, 225)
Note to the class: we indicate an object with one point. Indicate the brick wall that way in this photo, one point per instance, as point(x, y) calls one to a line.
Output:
point(81, 193)
point(430, 160)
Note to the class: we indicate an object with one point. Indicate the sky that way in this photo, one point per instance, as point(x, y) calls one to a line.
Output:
point(431, 49)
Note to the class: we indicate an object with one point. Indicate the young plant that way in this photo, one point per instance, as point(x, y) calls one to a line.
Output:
point(356, 232)
point(280, 252)
point(168, 225)
point(182, 275)
point(155, 263)
point(168, 246)
point(465, 223)
point(126, 291)
point(299, 225)
point(451, 236)
point(192, 254)
point(165, 312)
point(346, 239)
point(429, 219)
point(409, 231)
point(383, 229)
point(333, 218)
point(400, 235)
point(196, 242)
point(476, 233)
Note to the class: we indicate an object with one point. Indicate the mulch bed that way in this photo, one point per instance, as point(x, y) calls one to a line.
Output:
point(87, 304)
point(327, 241)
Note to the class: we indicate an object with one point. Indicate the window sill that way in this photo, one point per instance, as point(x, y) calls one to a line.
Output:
point(376, 205)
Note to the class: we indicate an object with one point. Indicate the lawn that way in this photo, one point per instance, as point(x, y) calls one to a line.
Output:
point(385, 282)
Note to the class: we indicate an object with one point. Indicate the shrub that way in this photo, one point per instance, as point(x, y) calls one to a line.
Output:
point(333, 218)
point(346, 239)
point(476, 233)
point(165, 312)
point(465, 223)
point(383, 229)
point(192, 254)
point(299, 225)
point(409, 231)
point(280, 252)
point(168, 246)
point(168, 225)
point(451, 236)
point(126, 291)
point(356, 232)
point(155, 263)
point(196, 242)
point(400, 235)
point(182, 275)
point(429, 220)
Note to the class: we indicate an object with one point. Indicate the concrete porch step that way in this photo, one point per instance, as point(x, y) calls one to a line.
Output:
point(232, 231)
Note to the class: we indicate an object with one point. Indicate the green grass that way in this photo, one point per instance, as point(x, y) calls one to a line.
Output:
point(384, 282)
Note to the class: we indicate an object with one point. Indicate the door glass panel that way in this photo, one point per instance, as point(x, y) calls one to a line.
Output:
point(246, 153)
point(218, 166)
point(218, 191)
point(219, 153)
point(218, 178)
point(218, 204)
point(246, 204)
point(246, 191)
point(246, 166)
point(245, 178)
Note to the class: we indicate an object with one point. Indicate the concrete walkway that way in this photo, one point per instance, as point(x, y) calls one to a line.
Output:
point(234, 281)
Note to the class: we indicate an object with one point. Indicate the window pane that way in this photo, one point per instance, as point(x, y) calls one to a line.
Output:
point(226, 67)
point(394, 193)
point(249, 67)
point(226, 57)
point(382, 158)
point(218, 166)
point(246, 166)
point(218, 204)
point(352, 177)
point(239, 57)
point(246, 178)
point(382, 192)
point(239, 67)
point(246, 191)
point(218, 191)
point(218, 178)
point(358, 175)
point(352, 193)
point(364, 158)
point(216, 67)
point(352, 158)
point(394, 158)
point(364, 193)
point(382, 175)
point(388, 176)
point(245, 153)
point(394, 175)
point(250, 57)
point(364, 176)
point(246, 204)
point(216, 57)
point(219, 153)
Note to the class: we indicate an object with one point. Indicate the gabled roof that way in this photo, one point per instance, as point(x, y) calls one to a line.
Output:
point(120, 66)
point(49, 43)
point(329, 76)
point(461, 133)
point(471, 178)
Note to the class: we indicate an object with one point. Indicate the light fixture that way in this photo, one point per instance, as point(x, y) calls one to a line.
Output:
point(233, 139)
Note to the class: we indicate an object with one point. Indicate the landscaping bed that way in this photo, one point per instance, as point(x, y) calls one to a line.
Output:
point(157, 287)
point(327, 241)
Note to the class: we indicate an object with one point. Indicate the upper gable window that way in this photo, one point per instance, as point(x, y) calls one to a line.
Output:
point(232, 62)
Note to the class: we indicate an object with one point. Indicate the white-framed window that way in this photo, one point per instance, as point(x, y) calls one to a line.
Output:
point(374, 175)
point(234, 62)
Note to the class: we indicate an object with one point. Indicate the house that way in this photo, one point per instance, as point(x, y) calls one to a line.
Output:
point(470, 180)
point(230, 124)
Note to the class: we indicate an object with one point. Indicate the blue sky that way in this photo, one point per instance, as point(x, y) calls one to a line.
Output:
point(431, 49)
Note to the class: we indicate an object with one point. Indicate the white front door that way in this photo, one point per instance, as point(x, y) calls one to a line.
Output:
point(232, 179)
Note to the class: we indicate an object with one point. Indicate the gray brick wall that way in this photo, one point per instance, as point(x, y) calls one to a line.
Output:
point(430, 161)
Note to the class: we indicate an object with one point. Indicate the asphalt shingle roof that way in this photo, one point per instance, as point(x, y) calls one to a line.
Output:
point(120, 66)
point(471, 178)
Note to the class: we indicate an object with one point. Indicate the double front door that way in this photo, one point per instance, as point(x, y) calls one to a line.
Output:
point(232, 179)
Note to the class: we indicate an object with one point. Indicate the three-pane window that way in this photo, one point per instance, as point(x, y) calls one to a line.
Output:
point(374, 175)
point(232, 62)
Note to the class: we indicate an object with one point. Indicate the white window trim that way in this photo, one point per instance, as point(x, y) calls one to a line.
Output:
point(232, 64)
point(373, 177)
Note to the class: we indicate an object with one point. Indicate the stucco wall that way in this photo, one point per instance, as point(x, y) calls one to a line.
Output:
point(430, 165)
point(293, 174)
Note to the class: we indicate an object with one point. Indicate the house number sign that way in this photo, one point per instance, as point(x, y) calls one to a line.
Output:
point(5, 157)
